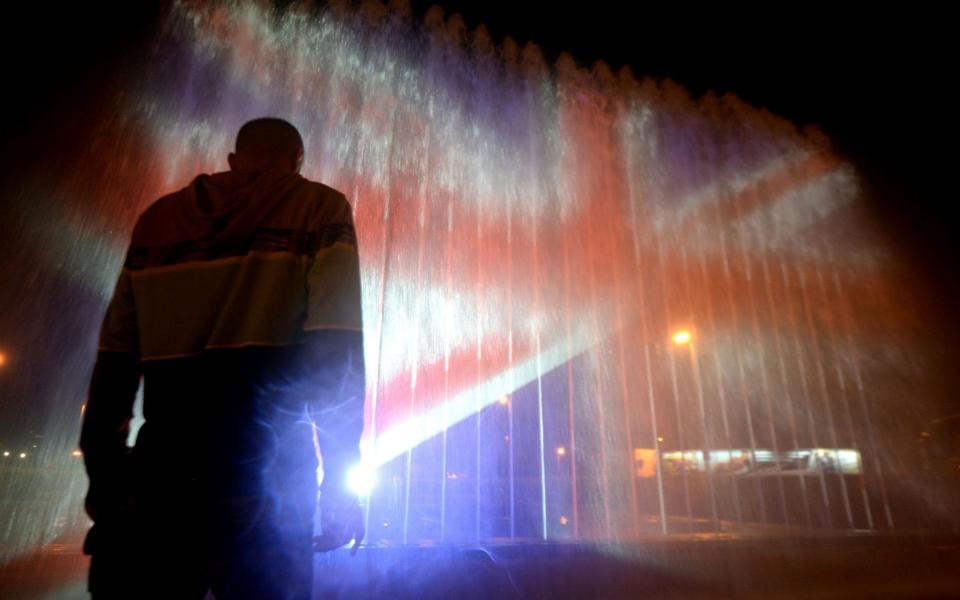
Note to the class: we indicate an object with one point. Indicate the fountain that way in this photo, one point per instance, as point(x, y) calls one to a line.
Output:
point(532, 238)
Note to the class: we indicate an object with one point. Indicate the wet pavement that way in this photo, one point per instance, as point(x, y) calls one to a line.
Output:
point(701, 566)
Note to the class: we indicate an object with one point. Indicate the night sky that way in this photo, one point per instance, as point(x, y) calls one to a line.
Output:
point(875, 83)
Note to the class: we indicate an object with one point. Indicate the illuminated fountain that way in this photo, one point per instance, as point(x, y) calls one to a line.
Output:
point(595, 308)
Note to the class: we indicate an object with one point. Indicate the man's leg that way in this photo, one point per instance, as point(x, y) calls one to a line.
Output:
point(144, 557)
point(261, 551)
point(111, 564)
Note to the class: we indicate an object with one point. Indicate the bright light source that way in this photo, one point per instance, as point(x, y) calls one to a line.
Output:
point(682, 336)
point(398, 438)
point(503, 400)
point(564, 520)
point(6, 453)
point(361, 479)
point(561, 451)
point(77, 453)
point(3, 359)
point(23, 455)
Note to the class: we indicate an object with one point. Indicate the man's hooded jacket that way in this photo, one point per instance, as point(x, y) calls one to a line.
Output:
point(239, 305)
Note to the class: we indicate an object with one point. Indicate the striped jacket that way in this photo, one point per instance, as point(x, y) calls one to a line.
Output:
point(239, 305)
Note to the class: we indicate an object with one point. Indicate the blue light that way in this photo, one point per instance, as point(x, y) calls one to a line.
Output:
point(361, 480)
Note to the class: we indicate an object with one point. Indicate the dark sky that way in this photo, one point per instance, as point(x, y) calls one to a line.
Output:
point(875, 81)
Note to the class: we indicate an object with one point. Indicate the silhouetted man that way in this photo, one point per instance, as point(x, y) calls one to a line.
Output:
point(239, 306)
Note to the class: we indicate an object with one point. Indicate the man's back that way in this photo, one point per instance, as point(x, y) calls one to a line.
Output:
point(224, 263)
point(239, 303)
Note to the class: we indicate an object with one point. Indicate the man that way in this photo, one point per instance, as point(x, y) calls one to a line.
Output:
point(239, 305)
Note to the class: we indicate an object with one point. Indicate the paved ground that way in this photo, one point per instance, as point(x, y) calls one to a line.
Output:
point(701, 567)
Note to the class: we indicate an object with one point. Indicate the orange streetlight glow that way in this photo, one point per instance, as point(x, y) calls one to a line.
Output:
point(682, 337)
point(3, 359)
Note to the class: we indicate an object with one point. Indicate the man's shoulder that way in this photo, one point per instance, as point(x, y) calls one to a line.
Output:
point(175, 198)
point(321, 192)
point(294, 198)
point(159, 211)
point(327, 204)
point(302, 187)
point(163, 203)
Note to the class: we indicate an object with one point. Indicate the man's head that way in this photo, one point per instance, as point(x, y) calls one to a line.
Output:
point(267, 143)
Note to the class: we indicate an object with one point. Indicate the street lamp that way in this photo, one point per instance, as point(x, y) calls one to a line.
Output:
point(682, 337)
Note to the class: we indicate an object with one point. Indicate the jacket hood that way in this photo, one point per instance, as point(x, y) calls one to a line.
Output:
point(231, 205)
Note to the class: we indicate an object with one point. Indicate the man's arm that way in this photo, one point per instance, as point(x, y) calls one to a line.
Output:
point(333, 332)
point(335, 358)
point(109, 408)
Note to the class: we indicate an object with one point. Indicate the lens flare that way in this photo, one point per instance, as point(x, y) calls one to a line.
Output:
point(361, 480)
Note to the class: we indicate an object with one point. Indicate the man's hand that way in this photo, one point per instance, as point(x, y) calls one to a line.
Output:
point(108, 500)
point(340, 523)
